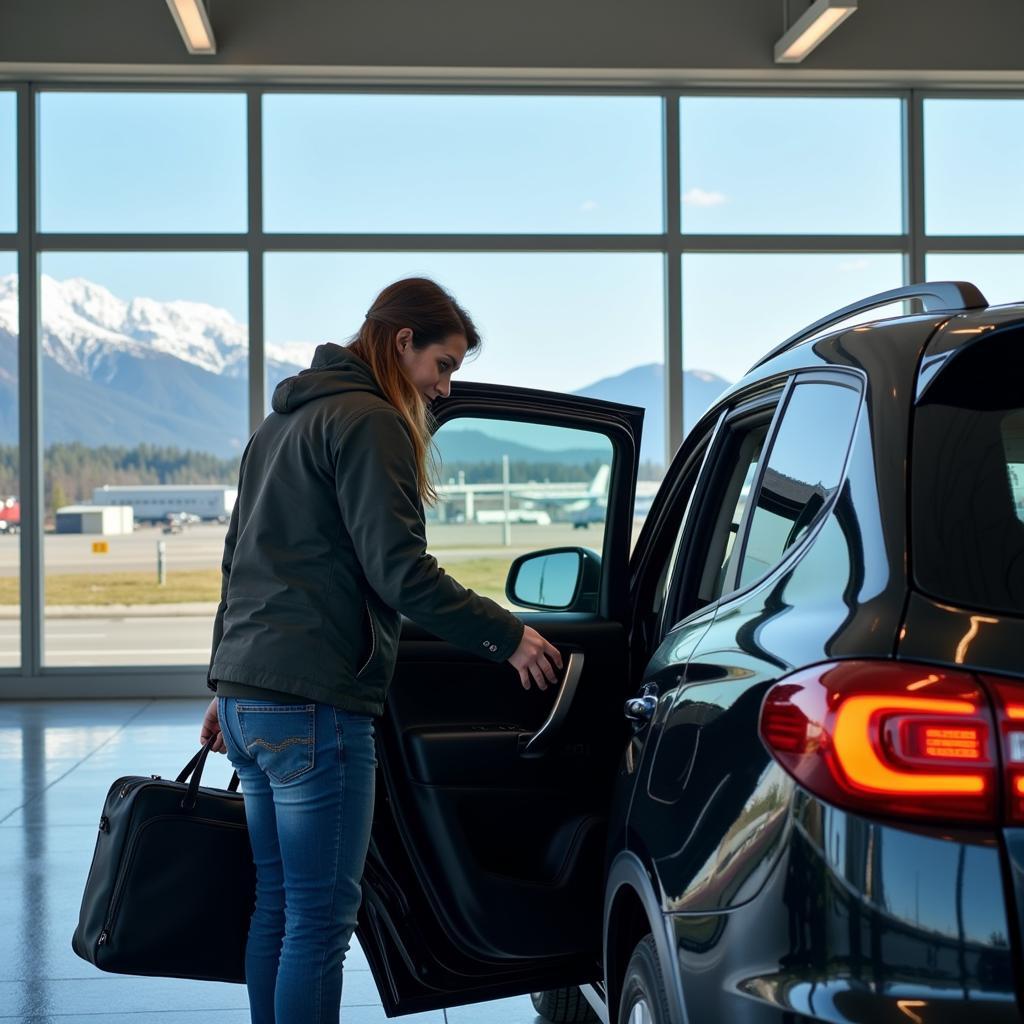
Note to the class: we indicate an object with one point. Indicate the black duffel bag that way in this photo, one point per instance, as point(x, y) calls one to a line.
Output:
point(172, 883)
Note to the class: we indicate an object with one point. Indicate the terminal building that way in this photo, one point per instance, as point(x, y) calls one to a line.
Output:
point(155, 502)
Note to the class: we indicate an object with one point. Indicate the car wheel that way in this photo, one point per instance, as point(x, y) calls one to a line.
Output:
point(643, 988)
point(563, 1006)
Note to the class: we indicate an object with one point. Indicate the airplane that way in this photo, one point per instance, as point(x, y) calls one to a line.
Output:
point(578, 503)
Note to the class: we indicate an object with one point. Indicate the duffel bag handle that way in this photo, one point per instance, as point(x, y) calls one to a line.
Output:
point(195, 769)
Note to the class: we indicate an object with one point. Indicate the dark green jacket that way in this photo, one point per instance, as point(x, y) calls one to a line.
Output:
point(327, 549)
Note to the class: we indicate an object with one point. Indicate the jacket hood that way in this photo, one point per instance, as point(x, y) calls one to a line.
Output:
point(334, 371)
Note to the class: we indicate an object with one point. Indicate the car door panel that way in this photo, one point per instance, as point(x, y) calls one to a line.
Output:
point(485, 874)
point(731, 812)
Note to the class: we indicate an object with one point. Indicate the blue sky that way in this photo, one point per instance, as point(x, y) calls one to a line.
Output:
point(167, 162)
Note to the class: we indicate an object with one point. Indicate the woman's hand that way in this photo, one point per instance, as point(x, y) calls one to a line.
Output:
point(535, 659)
point(211, 727)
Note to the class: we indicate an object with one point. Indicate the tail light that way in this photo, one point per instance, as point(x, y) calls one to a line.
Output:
point(891, 738)
point(1009, 702)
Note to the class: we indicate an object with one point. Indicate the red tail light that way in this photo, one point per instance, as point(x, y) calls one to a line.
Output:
point(890, 738)
point(1009, 701)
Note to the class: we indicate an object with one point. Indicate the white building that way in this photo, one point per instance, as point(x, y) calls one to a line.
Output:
point(154, 502)
point(107, 520)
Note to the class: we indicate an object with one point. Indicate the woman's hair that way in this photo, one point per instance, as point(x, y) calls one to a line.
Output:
point(432, 315)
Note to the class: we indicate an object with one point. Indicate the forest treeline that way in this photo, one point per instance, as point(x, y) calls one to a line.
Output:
point(72, 471)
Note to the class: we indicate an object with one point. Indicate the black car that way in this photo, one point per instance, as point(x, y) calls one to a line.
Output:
point(783, 778)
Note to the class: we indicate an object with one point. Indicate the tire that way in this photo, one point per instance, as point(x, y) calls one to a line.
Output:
point(643, 989)
point(563, 1006)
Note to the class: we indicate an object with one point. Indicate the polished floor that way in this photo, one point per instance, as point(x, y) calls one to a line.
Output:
point(57, 761)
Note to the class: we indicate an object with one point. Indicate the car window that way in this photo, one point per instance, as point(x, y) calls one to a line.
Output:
point(737, 496)
point(506, 488)
point(804, 470)
point(967, 480)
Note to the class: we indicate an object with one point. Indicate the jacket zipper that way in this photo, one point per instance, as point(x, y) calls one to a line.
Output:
point(373, 640)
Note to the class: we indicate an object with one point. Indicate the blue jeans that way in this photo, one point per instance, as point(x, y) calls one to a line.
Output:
point(307, 774)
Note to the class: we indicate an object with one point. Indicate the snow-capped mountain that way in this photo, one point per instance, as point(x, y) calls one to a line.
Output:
point(123, 373)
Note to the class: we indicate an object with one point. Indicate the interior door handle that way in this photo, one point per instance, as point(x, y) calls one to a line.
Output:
point(540, 742)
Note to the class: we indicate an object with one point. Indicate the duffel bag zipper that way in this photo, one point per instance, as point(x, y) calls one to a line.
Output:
point(126, 865)
point(104, 936)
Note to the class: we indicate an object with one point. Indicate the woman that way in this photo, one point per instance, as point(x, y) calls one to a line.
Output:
point(325, 551)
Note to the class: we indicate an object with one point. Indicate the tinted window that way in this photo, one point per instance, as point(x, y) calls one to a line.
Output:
point(803, 472)
point(967, 498)
point(743, 451)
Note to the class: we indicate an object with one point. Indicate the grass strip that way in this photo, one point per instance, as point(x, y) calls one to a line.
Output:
point(484, 575)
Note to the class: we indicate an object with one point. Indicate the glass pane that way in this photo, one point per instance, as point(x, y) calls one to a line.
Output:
point(736, 496)
point(8, 162)
point(803, 472)
point(1000, 275)
point(462, 163)
point(791, 165)
point(10, 508)
point(738, 306)
point(121, 161)
point(972, 154)
point(968, 478)
point(145, 369)
point(590, 324)
point(554, 494)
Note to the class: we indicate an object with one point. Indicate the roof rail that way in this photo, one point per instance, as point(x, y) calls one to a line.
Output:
point(935, 296)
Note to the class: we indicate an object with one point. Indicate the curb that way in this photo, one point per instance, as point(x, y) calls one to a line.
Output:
point(117, 611)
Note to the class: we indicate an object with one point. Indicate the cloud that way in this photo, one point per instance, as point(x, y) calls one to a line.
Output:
point(588, 204)
point(852, 266)
point(701, 197)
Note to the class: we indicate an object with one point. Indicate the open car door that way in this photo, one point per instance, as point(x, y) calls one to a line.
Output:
point(485, 873)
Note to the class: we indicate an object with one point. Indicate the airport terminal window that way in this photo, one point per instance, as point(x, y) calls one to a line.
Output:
point(804, 470)
point(579, 164)
point(776, 165)
point(507, 487)
point(10, 506)
point(8, 162)
point(145, 362)
point(769, 296)
point(142, 161)
point(586, 323)
point(965, 195)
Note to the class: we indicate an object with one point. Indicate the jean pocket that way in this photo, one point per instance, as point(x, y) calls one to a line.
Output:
point(279, 737)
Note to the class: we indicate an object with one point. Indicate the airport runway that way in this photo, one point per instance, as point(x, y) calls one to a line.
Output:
point(169, 638)
point(201, 546)
point(149, 640)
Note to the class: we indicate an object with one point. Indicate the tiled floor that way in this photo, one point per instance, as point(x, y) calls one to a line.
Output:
point(57, 761)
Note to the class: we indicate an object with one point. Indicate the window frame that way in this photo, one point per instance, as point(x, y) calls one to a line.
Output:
point(850, 381)
point(716, 471)
point(31, 679)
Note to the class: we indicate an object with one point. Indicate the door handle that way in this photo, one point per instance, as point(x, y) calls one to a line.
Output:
point(540, 742)
point(641, 709)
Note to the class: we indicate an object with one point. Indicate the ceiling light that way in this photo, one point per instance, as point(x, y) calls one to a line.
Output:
point(817, 22)
point(194, 25)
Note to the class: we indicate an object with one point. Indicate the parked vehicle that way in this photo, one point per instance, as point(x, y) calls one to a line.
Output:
point(813, 806)
point(10, 515)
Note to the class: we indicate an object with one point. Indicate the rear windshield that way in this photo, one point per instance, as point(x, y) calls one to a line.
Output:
point(967, 471)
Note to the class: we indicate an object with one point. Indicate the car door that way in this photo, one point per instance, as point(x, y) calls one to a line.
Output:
point(485, 871)
point(710, 830)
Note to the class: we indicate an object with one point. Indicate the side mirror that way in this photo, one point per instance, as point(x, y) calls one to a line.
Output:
point(555, 579)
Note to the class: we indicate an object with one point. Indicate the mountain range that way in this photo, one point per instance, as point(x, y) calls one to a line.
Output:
point(121, 372)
